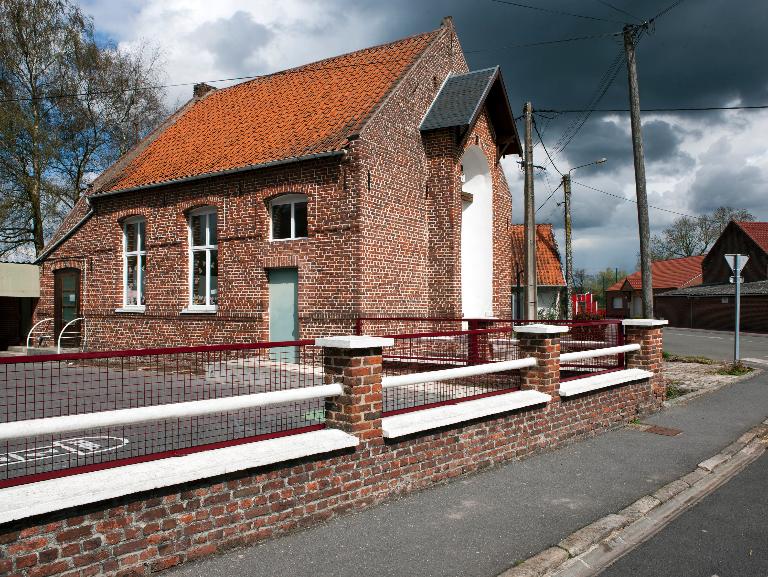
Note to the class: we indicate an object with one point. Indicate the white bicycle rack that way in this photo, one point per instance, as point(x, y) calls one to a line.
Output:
point(29, 335)
point(61, 334)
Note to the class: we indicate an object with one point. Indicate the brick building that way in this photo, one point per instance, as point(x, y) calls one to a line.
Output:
point(624, 299)
point(712, 305)
point(549, 272)
point(288, 205)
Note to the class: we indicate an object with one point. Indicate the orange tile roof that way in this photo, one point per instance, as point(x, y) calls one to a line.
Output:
point(307, 110)
point(757, 231)
point(549, 272)
point(673, 273)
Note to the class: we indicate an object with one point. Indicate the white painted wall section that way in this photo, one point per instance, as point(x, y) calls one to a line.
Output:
point(477, 236)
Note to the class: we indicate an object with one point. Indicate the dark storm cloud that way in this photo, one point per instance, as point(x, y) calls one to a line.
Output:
point(233, 41)
point(702, 52)
point(741, 187)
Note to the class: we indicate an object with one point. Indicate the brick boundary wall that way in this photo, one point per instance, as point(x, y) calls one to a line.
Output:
point(148, 532)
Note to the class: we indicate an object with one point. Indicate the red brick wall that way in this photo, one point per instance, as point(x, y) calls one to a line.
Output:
point(148, 532)
point(326, 293)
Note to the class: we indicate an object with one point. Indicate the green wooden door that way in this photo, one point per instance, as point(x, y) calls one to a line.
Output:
point(284, 311)
point(67, 305)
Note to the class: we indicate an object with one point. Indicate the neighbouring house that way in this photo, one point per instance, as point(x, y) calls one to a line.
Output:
point(549, 272)
point(624, 299)
point(711, 305)
point(19, 291)
point(288, 205)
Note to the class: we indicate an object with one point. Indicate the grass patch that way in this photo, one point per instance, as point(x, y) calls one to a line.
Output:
point(734, 369)
point(688, 359)
point(674, 390)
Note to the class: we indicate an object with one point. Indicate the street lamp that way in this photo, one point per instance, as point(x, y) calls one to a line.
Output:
point(568, 248)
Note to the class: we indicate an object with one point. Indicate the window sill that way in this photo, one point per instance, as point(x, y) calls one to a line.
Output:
point(199, 310)
point(288, 239)
point(129, 309)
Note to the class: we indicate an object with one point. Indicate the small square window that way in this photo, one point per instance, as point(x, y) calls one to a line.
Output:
point(289, 217)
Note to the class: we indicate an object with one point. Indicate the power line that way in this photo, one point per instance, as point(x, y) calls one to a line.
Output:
point(609, 5)
point(605, 83)
point(667, 9)
point(557, 12)
point(552, 162)
point(682, 109)
point(551, 194)
point(543, 42)
point(620, 197)
point(308, 67)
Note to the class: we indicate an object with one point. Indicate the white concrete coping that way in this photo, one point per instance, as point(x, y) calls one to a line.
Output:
point(594, 353)
point(427, 419)
point(644, 323)
point(103, 419)
point(457, 373)
point(354, 342)
point(587, 384)
point(541, 329)
point(77, 490)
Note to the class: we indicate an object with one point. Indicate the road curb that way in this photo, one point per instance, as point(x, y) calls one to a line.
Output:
point(594, 547)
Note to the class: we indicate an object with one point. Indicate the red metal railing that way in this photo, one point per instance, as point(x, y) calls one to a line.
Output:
point(36, 387)
point(583, 335)
point(430, 351)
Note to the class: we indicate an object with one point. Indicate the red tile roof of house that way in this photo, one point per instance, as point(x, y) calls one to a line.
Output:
point(308, 110)
point(667, 274)
point(757, 231)
point(549, 272)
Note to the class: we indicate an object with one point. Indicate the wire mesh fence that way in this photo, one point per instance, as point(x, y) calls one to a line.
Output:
point(460, 351)
point(74, 384)
point(424, 352)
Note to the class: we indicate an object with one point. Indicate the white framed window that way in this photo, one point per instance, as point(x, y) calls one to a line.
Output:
point(618, 303)
point(134, 263)
point(289, 217)
point(203, 260)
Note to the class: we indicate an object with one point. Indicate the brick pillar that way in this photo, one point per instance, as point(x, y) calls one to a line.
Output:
point(543, 343)
point(355, 362)
point(648, 334)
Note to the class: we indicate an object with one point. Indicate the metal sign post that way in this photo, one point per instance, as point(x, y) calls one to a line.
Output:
point(737, 262)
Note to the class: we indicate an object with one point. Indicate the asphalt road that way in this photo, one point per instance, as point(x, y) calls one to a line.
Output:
point(715, 344)
point(723, 535)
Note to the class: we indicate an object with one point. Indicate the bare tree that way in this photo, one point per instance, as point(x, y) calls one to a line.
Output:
point(689, 236)
point(68, 108)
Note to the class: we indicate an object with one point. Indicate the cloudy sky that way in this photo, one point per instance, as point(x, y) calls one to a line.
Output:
point(702, 53)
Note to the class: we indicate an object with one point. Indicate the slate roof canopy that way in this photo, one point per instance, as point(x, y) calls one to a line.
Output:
point(460, 100)
point(756, 288)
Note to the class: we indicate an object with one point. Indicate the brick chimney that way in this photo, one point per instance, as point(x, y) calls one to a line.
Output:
point(202, 89)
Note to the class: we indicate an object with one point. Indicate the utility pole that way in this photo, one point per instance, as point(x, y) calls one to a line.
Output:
point(642, 196)
point(568, 247)
point(568, 230)
point(530, 218)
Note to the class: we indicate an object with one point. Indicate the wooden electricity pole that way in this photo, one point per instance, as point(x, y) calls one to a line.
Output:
point(530, 218)
point(568, 247)
point(642, 196)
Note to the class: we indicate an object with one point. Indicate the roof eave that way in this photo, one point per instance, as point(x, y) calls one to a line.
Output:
point(247, 168)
